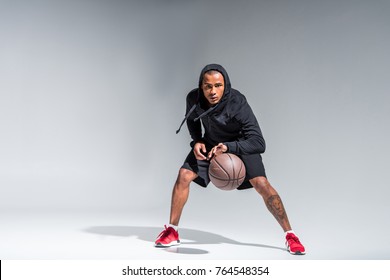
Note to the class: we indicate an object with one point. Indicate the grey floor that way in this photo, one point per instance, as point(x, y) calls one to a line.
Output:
point(129, 235)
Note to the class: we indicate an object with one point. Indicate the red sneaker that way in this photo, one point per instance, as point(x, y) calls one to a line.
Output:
point(294, 246)
point(167, 238)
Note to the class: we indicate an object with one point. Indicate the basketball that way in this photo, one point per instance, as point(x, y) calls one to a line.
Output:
point(227, 171)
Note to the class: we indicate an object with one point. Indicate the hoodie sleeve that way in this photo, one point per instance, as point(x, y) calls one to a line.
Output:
point(194, 127)
point(252, 141)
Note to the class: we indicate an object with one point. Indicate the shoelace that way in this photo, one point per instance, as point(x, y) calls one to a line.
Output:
point(294, 238)
point(164, 233)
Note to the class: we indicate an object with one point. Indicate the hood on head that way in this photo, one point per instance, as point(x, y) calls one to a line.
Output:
point(221, 70)
point(200, 96)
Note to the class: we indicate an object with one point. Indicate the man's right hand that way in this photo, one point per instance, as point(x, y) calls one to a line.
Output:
point(200, 151)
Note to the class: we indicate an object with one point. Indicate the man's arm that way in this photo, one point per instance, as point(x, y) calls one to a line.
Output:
point(194, 127)
point(252, 141)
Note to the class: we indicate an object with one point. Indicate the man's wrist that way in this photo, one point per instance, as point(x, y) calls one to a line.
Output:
point(230, 147)
point(227, 148)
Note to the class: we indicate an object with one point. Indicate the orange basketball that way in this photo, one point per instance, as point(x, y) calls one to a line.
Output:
point(227, 171)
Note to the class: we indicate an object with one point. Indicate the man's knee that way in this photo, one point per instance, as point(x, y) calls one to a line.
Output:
point(261, 184)
point(185, 176)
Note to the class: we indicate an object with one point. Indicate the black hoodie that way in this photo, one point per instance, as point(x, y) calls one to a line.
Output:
point(230, 122)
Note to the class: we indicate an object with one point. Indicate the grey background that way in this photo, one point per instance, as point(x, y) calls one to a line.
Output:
point(91, 93)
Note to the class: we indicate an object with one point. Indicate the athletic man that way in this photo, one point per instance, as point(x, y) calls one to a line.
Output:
point(229, 126)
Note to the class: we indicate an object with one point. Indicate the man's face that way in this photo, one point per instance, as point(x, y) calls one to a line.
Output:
point(213, 87)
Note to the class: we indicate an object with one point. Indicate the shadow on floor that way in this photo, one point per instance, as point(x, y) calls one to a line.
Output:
point(188, 236)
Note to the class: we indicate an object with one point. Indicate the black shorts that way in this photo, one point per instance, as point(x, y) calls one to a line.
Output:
point(253, 164)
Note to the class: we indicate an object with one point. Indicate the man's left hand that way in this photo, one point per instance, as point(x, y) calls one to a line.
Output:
point(217, 150)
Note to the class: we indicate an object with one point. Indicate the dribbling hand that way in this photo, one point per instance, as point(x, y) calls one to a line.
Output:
point(199, 151)
point(217, 150)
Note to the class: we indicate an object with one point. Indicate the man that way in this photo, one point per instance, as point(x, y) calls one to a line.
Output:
point(229, 126)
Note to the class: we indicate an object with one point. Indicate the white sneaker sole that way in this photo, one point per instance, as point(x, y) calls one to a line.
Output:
point(173, 243)
point(295, 253)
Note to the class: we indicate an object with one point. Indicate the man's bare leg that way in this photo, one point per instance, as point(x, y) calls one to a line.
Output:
point(180, 194)
point(275, 206)
point(272, 201)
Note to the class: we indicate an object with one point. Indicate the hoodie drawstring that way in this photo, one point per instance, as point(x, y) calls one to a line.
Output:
point(186, 117)
point(206, 112)
point(197, 118)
